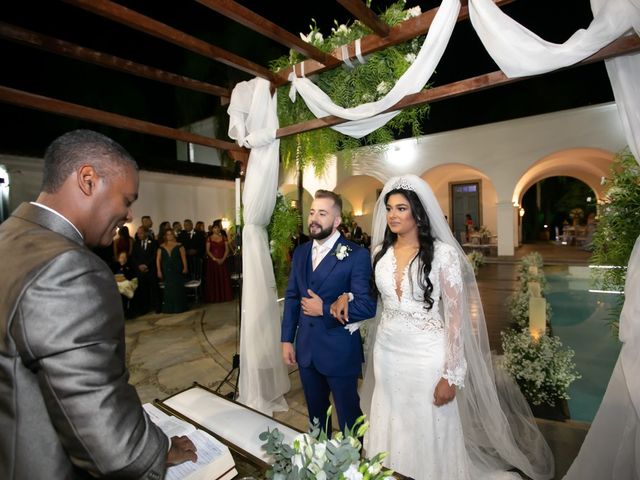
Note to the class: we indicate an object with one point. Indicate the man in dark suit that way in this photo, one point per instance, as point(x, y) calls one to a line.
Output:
point(193, 242)
point(143, 257)
point(356, 233)
point(329, 356)
point(66, 408)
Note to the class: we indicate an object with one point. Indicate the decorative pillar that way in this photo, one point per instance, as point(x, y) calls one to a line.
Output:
point(506, 228)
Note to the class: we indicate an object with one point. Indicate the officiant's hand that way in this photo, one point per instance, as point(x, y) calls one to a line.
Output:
point(312, 305)
point(182, 449)
point(288, 353)
point(340, 309)
point(443, 393)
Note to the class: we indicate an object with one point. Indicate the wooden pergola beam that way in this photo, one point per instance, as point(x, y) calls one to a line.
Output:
point(255, 22)
point(70, 50)
point(59, 107)
point(621, 46)
point(137, 21)
point(398, 34)
point(358, 9)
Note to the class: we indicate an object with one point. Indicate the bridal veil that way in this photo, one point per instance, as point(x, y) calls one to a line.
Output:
point(499, 429)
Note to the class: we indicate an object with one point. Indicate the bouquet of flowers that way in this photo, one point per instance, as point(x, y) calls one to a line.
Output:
point(314, 456)
point(541, 367)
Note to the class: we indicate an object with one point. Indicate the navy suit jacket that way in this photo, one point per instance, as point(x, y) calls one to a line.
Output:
point(323, 340)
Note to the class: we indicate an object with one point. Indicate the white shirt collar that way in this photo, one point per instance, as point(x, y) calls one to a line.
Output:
point(328, 243)
point(49, 209)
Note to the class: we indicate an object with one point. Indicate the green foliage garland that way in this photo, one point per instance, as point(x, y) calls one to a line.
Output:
point(618, 227)
point(284, 223)
point(349, 88)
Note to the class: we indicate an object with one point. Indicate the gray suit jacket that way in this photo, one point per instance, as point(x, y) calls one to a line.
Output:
point(66, 408)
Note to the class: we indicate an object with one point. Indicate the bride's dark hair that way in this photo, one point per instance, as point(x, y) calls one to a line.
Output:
point(425, 240)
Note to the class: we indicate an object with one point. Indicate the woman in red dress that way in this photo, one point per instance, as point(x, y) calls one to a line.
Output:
point(217, 286)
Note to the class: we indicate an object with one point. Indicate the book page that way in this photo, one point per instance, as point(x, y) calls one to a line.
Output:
point(209, 450)
point(214, 458)
point(170, 425)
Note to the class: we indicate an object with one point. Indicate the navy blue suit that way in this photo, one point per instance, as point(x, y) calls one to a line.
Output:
point(329, 357)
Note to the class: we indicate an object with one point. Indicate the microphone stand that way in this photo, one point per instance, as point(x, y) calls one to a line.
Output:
point(236, 279)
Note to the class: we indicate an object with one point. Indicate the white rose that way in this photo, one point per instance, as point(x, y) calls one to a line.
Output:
point(343, 28)
point(352, 473)
point(318, 37)
point(410, 57)
point(414, 12)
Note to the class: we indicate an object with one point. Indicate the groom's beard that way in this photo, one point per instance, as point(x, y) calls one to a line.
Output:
point(320, 234)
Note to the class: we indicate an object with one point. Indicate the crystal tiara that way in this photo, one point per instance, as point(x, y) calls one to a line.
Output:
point(403, 184)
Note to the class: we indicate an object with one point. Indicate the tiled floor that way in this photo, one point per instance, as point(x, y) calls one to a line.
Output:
point(167, 353)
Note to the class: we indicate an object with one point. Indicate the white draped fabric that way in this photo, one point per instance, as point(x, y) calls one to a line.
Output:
point(366, 117)
point(515, 49)
point(253, 122)
point(519, 52)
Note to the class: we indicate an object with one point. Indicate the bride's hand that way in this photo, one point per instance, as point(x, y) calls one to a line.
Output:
point(443, 393)
point(340, 309)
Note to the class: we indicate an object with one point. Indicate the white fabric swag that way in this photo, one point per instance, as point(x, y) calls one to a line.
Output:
point(253, 123)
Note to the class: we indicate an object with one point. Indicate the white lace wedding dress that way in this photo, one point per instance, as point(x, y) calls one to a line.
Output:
point(413, 350)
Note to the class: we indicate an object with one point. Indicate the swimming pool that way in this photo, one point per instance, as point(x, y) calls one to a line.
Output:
point(579, 319)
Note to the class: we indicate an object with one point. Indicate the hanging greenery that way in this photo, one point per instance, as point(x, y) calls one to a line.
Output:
point(349, 87)
point(618, 228)
point(285, 220)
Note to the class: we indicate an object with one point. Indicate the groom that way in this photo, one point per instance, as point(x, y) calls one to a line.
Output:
point(328, 355)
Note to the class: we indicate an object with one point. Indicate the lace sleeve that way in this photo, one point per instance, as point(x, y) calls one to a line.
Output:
point(450, 277)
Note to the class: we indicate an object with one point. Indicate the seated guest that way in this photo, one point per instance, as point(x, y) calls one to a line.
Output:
point(171, 265)
point(143, 259)
point(127, 282)
point(217, 286)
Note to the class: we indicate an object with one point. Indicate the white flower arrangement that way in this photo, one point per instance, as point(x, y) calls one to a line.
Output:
point(410, 57)
point(341, 251)
point(314, 456)
point(541, 367)
point(476, 259)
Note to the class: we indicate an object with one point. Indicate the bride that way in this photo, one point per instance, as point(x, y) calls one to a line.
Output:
point(429, 390)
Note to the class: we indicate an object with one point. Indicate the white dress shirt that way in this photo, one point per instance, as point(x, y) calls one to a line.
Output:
point(320, 250)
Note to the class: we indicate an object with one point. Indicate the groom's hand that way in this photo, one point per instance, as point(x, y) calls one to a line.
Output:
point(312, 305)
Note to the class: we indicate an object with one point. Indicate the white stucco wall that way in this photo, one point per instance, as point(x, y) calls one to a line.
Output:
point(162, 196)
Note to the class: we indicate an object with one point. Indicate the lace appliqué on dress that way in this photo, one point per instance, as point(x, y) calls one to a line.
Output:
point(407, 313)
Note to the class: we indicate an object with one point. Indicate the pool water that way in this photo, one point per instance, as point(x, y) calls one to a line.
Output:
point(579, 319)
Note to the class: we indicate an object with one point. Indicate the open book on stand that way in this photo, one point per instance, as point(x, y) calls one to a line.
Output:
point(214, 458)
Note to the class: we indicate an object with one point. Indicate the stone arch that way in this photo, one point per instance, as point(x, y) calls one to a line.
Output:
point(359, 194)
point(588, 165)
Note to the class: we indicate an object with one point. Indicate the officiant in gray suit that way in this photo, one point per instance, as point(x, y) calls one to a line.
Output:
point(66, 407)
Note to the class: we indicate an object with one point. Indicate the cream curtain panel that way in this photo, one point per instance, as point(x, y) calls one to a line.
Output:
point(515, 49)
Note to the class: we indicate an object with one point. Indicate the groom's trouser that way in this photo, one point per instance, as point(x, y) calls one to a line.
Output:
point(344, 389)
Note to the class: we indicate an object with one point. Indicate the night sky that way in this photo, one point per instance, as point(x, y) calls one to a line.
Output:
point(28, 131)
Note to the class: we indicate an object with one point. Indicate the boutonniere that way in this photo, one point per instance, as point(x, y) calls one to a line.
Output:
point(342, 251)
